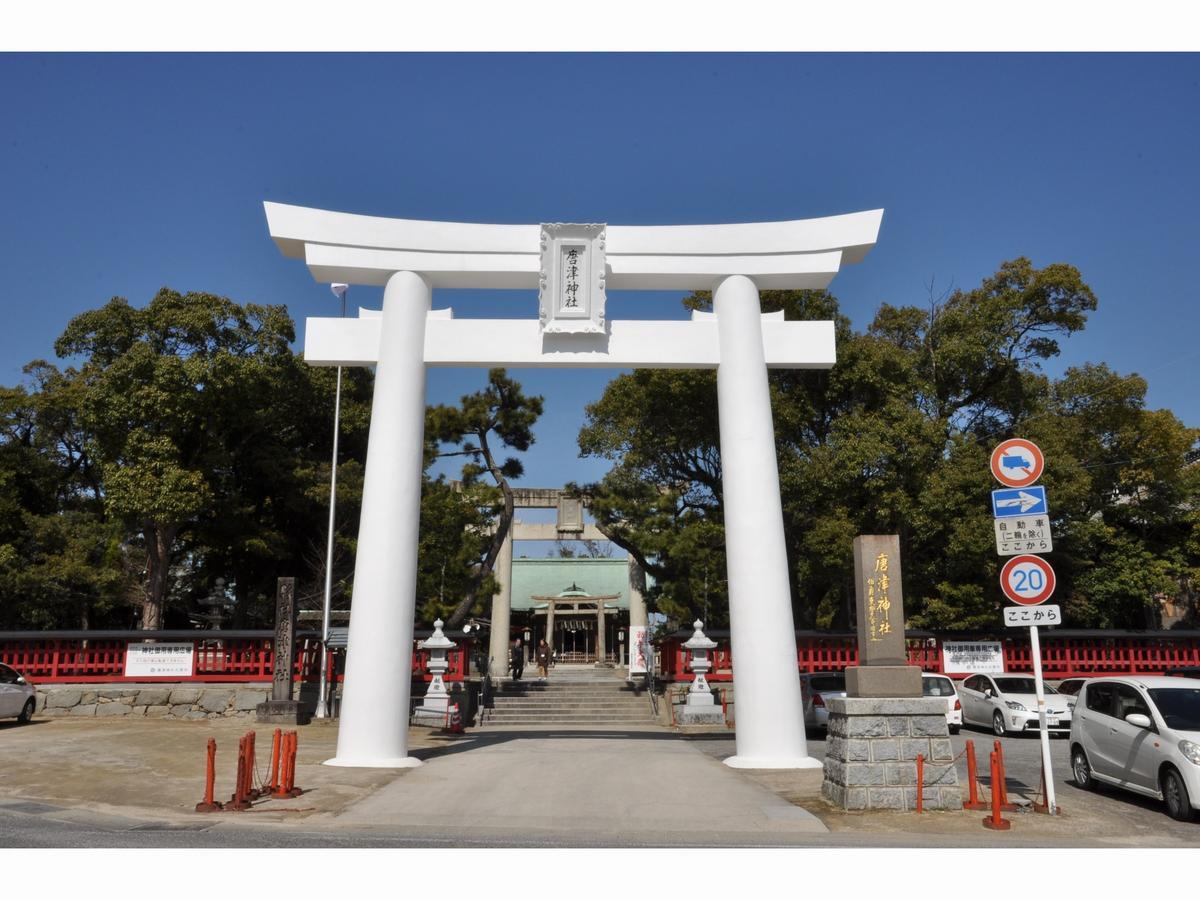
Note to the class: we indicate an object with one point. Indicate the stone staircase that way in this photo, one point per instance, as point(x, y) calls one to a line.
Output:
point(573, 695)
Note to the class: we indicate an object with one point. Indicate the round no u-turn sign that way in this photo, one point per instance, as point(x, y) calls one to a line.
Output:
point(1027, 580)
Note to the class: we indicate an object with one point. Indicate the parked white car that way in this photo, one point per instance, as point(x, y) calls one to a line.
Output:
point(1141, 734)
point(1007, 703)
point(17, 696)
point(933, 685)
point(815, 689)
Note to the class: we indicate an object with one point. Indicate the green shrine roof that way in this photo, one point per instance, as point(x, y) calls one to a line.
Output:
point(553, 577)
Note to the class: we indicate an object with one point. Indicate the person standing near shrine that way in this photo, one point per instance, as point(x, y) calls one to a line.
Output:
point(543, 659)
point(516, 660)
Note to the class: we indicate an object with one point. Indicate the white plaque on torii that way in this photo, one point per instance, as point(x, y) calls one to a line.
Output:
point(411, 258)
point(571, 281)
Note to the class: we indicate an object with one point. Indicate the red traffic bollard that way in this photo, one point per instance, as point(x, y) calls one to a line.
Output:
point(1003, 787)
point(273, 785)
point(210, 778)
point(239, 801)
point(920, 782)
point(994, 821)
point(292, 789)
point(973, 778)
point(281, 791)
point(287, 779)
point(253, 791)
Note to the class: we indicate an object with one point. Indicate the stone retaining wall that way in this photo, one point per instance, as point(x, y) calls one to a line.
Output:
point(153, 701)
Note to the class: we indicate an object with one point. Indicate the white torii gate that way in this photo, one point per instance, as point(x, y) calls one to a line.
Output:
point(410, 258)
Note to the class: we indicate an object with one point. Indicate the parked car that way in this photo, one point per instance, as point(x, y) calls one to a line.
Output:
point(933, 685)
point(1007, 703)
point(1141, 734)
point(815, 689)
point(17, 696)
point(1070, 686)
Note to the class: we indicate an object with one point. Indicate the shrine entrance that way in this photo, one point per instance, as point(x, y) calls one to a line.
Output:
point(571, 266)
point(555, 598)
point(575, 642)
point(578, 627)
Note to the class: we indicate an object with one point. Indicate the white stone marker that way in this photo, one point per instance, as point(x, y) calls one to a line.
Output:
point(735, 260)
point(436, 701)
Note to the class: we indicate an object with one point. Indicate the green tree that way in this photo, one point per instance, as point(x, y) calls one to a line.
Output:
point(165, 392)
point(62, 563)
point(500, 411)
point(895, 439)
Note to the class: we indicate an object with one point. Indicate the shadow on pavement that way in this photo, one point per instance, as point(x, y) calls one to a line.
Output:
point(479, 740)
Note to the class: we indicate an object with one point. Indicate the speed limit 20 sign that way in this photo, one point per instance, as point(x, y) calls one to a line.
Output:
point(1027, 580)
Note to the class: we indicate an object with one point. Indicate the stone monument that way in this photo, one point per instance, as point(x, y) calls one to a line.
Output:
point(884, 723)
point(281, 709)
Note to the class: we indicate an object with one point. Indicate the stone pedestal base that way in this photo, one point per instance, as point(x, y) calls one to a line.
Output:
point(883, 681)
point(870, 756)
point(429, 715)
point(701, 715)
point(281, 712)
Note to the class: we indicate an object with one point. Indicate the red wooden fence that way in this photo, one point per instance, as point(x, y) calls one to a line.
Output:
point(73, 658)
point(1064, 654)
point(244, 657)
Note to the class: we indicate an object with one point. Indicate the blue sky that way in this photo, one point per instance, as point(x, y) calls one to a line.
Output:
point(122, 173)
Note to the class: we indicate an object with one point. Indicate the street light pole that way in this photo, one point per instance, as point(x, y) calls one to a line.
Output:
point(339, 291)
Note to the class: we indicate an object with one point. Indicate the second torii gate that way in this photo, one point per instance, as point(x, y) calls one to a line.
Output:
point(572, 266)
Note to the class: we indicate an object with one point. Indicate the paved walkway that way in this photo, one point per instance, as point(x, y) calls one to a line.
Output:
point(583, 782)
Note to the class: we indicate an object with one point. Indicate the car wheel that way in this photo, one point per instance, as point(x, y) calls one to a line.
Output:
point(1082, 770)
point(998, 724)
point(1179, 807)
point(954, 729)
point(27, 712)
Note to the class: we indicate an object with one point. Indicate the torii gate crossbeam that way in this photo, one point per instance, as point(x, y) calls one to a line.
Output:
point(410, 258)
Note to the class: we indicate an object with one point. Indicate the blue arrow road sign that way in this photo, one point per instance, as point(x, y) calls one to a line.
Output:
point(1026, 501)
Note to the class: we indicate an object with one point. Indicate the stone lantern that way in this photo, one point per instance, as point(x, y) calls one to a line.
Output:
point(216, 607)
point(701, 708)
point(436, 701)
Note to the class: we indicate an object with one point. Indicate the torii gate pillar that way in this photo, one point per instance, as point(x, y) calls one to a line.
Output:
point(761, 627)
point(573, 266)
point(373, 730)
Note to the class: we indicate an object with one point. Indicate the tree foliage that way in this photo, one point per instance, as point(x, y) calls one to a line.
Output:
point(186, 442)
point(499, 413)
point(895, 438)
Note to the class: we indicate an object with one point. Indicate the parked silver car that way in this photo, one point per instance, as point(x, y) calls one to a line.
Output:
point(17, 696)
point(815, 689)
point(1141, 734)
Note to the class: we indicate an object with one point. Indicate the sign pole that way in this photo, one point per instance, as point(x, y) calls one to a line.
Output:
point(1036, 647)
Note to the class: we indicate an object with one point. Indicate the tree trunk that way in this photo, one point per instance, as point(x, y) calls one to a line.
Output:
point(159, 540)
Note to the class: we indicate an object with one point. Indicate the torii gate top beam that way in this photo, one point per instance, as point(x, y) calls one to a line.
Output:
point(356, 249)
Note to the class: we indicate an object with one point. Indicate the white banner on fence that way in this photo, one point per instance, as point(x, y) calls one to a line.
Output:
point(639, 647)
point(159, 660)
point(972, 656)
